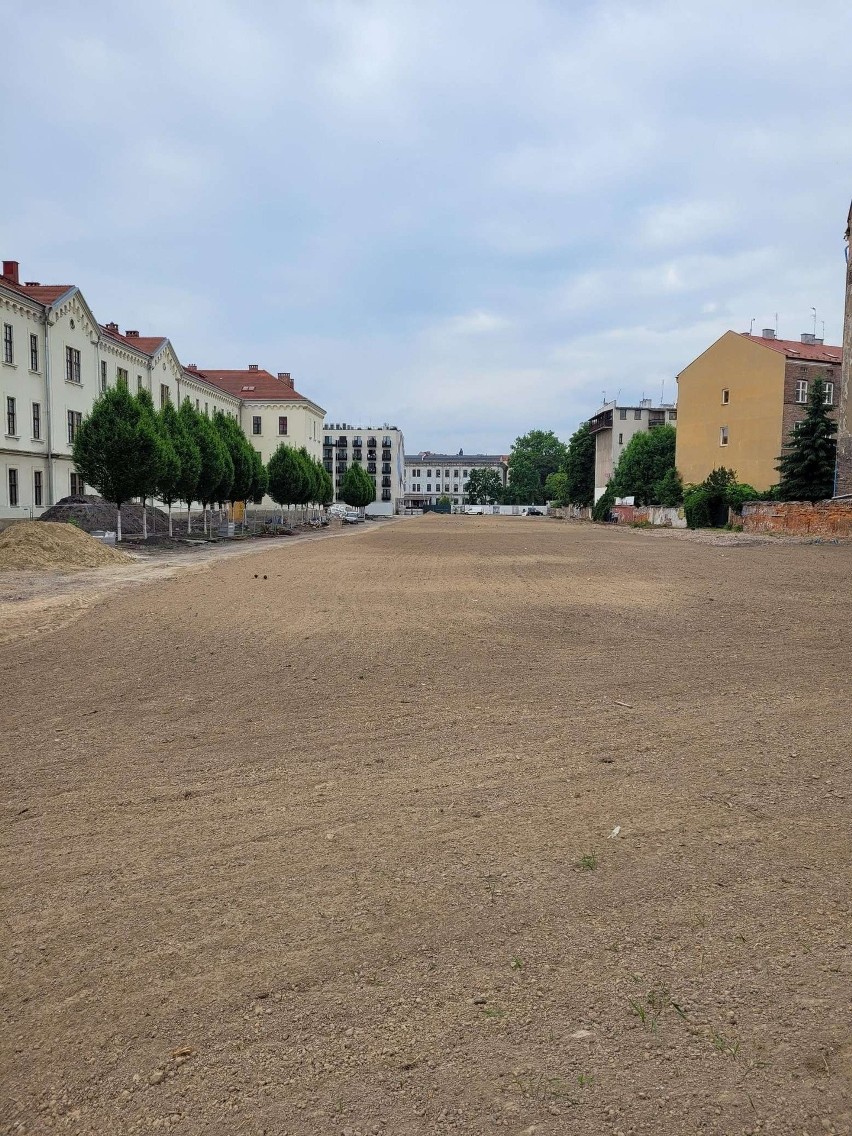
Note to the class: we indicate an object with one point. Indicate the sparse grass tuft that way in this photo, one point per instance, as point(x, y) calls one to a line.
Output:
point(588, 862)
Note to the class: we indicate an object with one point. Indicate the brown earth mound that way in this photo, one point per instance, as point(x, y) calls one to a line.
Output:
point(91, 512)
point(33, 544)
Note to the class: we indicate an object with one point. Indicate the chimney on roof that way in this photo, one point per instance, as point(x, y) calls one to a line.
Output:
point(284, 376)
point(32, 284)
point(254, 367)
point(808, 337)
point(10, 269)
point(192, 366)
point(131, 334)
point(112, 327)
point(768, 333)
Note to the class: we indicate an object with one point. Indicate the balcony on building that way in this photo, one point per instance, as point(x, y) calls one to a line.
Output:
point(656, 418)
point(386, 495)
point(342, 442)
point(371, 453)
point(386, 443)
point(371, 443)
point(386, 483)
point(371, 467)
point(602, 421)
point(358, 442)
point(328, 440)
point(386, 468)
point(386, 455)
point(356, 453)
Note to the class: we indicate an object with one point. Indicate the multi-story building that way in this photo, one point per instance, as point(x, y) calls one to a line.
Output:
point(379, 449)
point(272, 411)
point(56, 359)
point(613, 426)
point(741, 398)
point(429, 476)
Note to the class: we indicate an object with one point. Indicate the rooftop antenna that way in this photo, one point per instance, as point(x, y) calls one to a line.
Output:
point(815, 321)
point(751, 326)
point(663, 392)
point(823, 330)
point(776, 325)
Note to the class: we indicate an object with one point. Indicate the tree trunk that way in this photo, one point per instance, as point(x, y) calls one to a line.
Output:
point(188, 517)
point(144, 520)
point(170, 520)
point(118, 523)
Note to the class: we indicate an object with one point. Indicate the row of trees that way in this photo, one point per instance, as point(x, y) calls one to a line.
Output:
point(125, 449)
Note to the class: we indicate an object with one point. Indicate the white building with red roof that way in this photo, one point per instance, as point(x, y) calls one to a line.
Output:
point(56, 359)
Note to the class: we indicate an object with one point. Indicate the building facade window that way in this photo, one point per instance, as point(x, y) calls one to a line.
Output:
point(256, 424)
point(11, 418)
point(726, 397)
point(672, 416)
point(121, 376)
point(13, 487)
point(38, 488)
point(723, 435)
point(828, 397)
point(103, 377)
point(8, 344)
point(33, 352)
point(72, 365)
point(165, 395)
point(622, 414)
point(802, 390)
point(75, 421)
point(637, 414)
point(282, 424)
point(77, 486)
point(138, 383)
point(36, 422)
point(621, 439)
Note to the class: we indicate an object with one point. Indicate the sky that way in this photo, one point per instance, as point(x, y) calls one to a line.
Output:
point(466, 219)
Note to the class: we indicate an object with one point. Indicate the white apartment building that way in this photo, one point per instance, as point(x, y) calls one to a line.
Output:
point(380, 449)
point(429, 476)
point(56, 359)
point(613, 426)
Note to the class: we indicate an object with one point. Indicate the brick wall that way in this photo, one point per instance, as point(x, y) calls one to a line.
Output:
point(799, 518)
point(795, 411)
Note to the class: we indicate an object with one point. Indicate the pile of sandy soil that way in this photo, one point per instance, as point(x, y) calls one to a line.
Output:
point(39, 544)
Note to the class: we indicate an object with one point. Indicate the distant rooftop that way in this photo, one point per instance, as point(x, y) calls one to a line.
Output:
point(808, 347)
point(458, 459)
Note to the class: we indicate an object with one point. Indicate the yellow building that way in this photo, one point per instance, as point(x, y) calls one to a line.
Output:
point(738, 401)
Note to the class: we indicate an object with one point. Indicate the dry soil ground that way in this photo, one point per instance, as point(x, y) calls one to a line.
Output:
point(333, 851)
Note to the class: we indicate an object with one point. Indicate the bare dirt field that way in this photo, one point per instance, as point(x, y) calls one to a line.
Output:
point(461, 825)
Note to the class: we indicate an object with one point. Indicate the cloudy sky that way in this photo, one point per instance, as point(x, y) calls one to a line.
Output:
point(467, 218)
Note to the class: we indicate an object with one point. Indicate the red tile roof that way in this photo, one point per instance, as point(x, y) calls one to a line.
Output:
point(793, 349)
point(44, 294)
point(260, 385)
point(147, 344)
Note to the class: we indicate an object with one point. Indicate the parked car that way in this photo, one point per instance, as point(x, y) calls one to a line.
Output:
point(352, 518)
point(534, 513)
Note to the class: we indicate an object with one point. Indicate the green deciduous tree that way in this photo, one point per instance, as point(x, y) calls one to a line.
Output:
point(525, 486)
point(646, 460)
point(556, 487)
point(669, 489)
point(217, 469)
point(241, 454)
point(808, 462)
point(116, 448)
point(286, 476)
point(484, 487)
point(179, 480)
point(357, 488)
point(259, 478)
point(533, 458)
point(580, 468)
